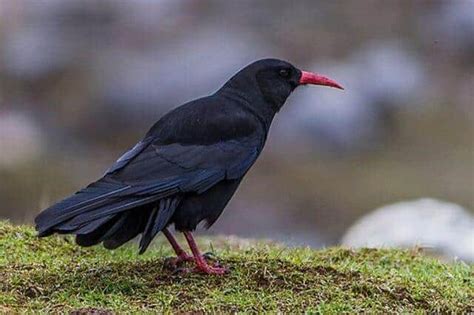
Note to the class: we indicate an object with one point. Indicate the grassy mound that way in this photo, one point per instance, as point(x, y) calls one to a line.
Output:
point(55, 275)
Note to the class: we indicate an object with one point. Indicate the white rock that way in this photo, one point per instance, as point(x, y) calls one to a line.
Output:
point(446, 228)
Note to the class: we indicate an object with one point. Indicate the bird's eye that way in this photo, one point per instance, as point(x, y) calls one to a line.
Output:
point(284, 73)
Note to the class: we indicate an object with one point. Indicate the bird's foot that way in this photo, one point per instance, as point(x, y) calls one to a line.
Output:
point(202, 266)
point(206, 264)
point(210, 269)
point(174, 263)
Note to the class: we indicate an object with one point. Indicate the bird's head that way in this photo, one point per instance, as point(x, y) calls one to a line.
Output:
point(275, 80)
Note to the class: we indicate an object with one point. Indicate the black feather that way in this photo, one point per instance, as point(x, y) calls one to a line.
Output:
point(186, 168)
point(133, 225)
point(157, 220)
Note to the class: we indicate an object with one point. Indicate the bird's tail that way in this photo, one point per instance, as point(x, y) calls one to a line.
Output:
point(105, 212)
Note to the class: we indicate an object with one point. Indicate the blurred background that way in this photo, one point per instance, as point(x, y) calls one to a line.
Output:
point(81, 81)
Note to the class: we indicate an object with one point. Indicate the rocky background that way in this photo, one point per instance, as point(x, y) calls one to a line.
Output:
point(82, 80)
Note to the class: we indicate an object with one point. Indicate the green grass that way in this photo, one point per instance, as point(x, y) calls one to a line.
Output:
point(55, 275)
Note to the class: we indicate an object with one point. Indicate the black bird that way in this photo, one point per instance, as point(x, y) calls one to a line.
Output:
point(185, 169)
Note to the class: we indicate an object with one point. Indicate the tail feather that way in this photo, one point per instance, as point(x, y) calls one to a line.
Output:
point(102, 230)
point(113, 213)
point(90, 227)
point(122, 219)
point(101, 214)
point(132, 226)
point(94, 202)
point(157, 221)
point(115, 206)
point(93, 196)
point(115, 230)
point(94, 237)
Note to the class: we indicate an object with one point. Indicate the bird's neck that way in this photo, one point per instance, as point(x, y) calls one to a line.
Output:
point(252, 103)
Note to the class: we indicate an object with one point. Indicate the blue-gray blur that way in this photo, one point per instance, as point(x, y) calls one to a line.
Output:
point(82, 81)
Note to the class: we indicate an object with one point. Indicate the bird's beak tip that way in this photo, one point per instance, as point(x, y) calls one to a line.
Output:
point(316, 79)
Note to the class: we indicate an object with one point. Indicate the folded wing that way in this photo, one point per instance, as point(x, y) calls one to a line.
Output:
point(150, 175)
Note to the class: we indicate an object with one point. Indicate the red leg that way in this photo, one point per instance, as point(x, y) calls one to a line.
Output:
point(177, 249)
point(201, 263)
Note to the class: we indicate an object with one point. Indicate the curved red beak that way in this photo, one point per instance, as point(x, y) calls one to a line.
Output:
point(316, 79)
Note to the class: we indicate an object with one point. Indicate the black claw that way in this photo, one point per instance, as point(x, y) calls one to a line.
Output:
point(180, 270)
point(209, 256)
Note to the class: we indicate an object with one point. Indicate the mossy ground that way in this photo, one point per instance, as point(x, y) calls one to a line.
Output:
point(55, 275)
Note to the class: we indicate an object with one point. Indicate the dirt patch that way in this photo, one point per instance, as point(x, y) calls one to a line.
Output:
point(91, 311)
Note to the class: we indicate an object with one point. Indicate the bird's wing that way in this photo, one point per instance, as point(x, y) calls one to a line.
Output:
point(187, 167)
point(147, 173)
point(129, 155)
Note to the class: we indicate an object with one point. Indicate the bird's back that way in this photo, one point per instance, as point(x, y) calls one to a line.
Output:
point(205, 121)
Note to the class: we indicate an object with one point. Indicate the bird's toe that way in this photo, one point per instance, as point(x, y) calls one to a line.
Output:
point(175, 262)
point(211, 270)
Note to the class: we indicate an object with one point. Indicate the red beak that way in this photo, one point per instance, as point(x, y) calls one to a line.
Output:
point(312, 78)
